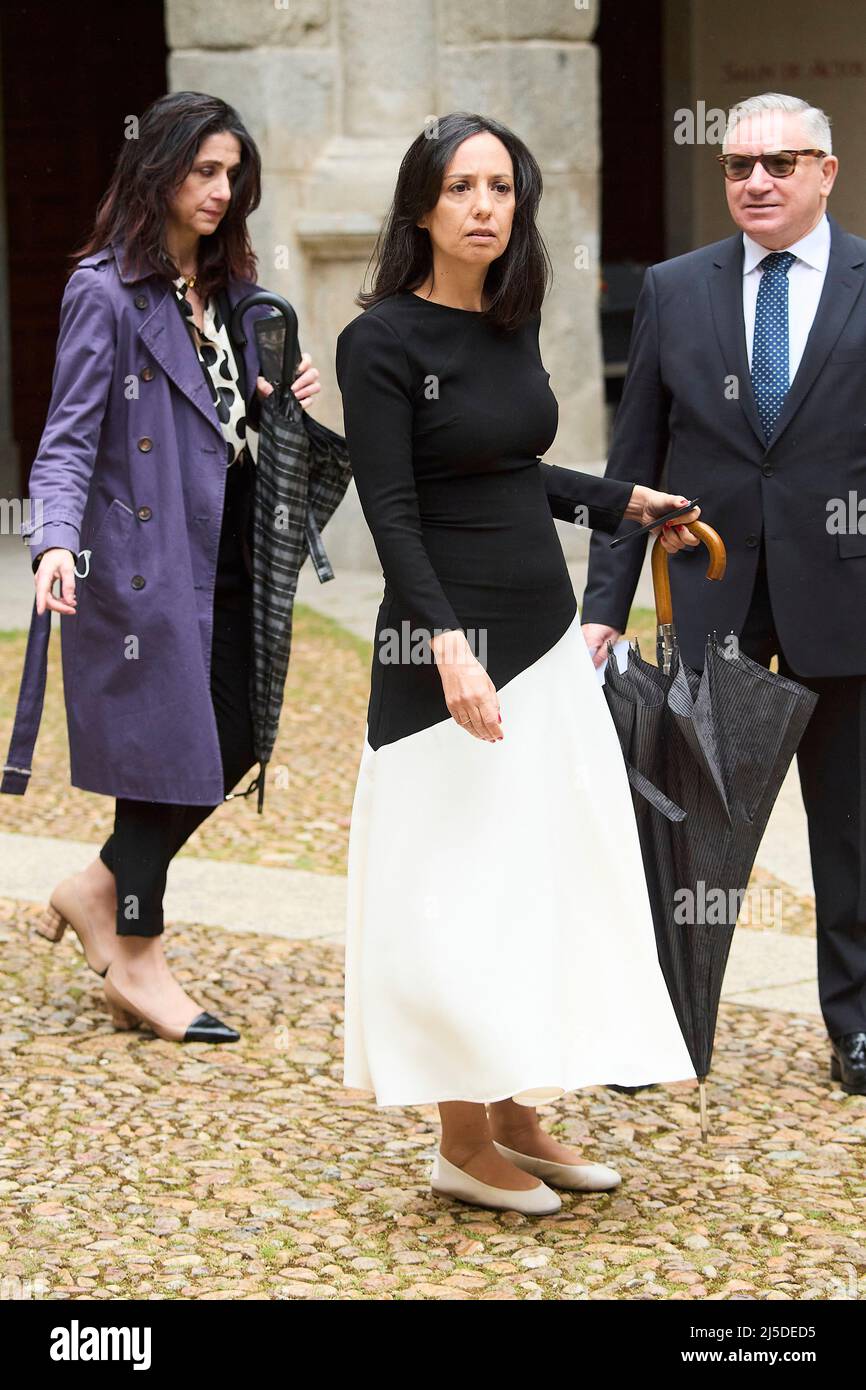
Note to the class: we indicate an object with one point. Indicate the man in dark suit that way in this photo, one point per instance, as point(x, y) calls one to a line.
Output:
point(747, 381)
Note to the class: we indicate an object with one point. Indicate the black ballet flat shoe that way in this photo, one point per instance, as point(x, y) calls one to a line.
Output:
point(848, 1062)
point(206, 1028)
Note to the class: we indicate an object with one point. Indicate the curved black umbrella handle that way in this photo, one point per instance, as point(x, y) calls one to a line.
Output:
point(291, 350)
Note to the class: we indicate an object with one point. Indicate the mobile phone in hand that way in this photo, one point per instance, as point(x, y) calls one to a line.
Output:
point(659, 521)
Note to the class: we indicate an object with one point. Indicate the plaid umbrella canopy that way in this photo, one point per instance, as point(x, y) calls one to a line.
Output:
point(706, 756)
point(301, 476)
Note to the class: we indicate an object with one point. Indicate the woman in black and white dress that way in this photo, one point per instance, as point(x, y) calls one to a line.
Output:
point(500, 947)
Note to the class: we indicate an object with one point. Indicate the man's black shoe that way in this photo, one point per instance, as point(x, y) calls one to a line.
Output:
point(848, 1062)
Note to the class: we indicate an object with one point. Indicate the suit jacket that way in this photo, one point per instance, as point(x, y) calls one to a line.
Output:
point(688, 404)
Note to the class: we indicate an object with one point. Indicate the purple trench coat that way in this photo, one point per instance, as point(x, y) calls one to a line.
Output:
point(131, 466)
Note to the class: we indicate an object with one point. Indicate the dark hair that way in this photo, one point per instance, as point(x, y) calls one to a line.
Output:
point(518, 279)
point(148, 172)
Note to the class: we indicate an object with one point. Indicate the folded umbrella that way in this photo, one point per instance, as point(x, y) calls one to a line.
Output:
point(706, 755)
point(302, 473)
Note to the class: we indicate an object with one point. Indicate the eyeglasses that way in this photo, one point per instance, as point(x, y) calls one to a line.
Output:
point(779, 165)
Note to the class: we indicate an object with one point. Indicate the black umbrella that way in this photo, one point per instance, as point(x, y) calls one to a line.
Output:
point(301, 476)
point(706, 755)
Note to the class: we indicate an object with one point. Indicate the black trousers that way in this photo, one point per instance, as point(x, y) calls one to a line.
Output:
point(831, 761)
point(148, 834)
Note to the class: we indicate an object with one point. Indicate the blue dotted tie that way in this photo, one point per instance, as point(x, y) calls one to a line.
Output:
point(770, 343)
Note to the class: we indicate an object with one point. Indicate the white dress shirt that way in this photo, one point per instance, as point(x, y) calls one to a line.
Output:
point(805, 283)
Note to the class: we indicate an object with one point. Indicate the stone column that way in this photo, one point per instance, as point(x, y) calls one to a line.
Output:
point(531, 65)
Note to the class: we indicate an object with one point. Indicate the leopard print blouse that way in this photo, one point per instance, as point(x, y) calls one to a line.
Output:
point(217, 356)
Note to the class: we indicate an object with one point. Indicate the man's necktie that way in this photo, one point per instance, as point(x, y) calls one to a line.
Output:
point(770, 344)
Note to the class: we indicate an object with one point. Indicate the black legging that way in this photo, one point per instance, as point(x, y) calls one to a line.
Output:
point(148, 834)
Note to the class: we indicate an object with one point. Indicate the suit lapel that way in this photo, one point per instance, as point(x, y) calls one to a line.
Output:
point(842, 286)
point(726, 298)
point(167, 337)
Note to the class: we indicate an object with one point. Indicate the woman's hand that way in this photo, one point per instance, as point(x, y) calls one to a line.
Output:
point(469, 692)
point(646, 504)
point(305, 385)
point(56, 564)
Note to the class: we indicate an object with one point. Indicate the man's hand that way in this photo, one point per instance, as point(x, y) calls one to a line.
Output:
point(597, 636)
point(56, 564)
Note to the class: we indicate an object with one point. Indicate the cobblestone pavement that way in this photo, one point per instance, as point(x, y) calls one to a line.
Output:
point(311, 779)
point(134, 1167)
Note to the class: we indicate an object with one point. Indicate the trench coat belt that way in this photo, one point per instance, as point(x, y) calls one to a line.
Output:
point(31, 696)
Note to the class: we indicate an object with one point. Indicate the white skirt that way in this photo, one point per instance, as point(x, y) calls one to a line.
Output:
point(499, 939)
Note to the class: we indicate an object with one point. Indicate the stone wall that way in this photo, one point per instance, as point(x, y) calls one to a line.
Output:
point(333, 91)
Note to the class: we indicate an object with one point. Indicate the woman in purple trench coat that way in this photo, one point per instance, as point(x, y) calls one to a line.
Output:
point(143, 476)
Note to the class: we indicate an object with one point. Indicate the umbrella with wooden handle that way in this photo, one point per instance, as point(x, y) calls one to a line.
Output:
point(665, 634)
point(666, 645)
point(706, 753)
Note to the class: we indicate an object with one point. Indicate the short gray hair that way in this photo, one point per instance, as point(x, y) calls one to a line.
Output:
point(815, 121)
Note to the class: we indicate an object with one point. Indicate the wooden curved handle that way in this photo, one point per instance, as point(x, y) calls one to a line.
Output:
point(715, 545)
point(661, 574)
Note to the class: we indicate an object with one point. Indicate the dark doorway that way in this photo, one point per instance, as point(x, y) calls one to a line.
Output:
point(629, 39)
point(70, 75)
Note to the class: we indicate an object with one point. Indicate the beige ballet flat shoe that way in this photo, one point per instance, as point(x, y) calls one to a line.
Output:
point(576, 1177)
point(65, 909)
point(450, 1181)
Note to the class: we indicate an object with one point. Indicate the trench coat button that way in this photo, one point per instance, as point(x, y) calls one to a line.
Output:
point(145, 445)
point(140, 301)
point(767, 469)
point(147, 373)
point(751, 540)
point(138, 581)
point(144, 513)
